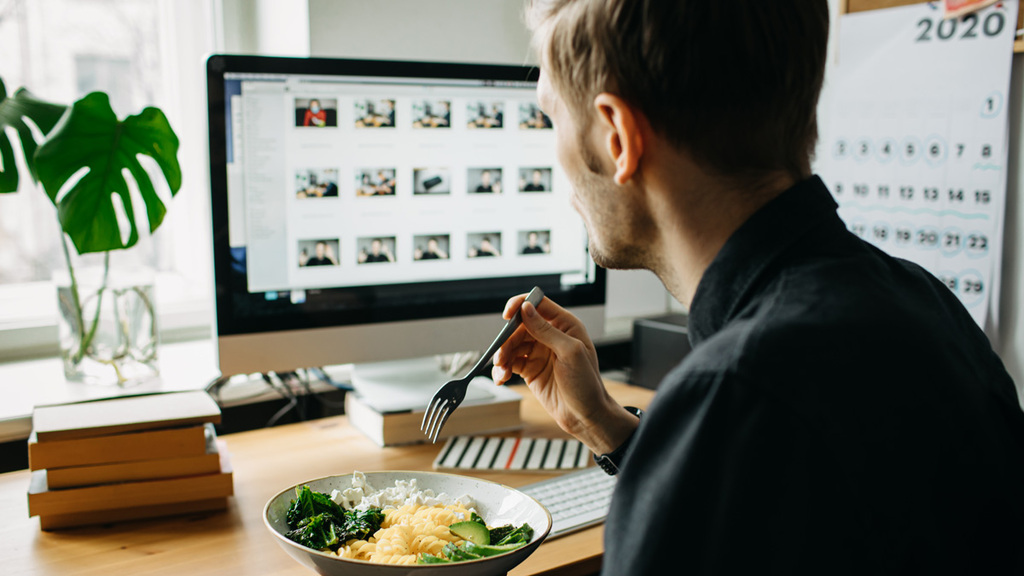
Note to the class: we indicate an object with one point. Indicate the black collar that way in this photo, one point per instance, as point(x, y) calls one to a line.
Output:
point(748, 253)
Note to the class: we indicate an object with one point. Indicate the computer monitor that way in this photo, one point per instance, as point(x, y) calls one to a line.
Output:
point(366, 211)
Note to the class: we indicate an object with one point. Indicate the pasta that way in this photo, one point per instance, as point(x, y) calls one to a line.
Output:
point(406, 532)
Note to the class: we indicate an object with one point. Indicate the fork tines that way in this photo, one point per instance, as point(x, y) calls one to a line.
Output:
point(435, 417)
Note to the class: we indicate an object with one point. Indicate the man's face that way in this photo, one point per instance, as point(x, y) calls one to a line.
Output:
point(536, 176)
point(485, 245)
point(618, 225)
point(320, 249)
point(431, 245)
point(485, 178)
point(375, 247)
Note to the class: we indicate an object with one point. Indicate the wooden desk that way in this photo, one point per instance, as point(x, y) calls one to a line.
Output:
point(235, 541)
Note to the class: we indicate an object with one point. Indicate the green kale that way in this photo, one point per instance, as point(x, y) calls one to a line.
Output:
point(318, 522)
point(361, 525)
point(316, 532)
point(310, 503)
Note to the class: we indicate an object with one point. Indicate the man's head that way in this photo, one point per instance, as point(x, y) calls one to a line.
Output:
point(532, 239)
point(731, 87)
point(321, 248)
point(485, 244)
point(432, 245)
point(537, 177)
point(734, 84)
point(485, 178)
point(375, 246)
point(314, 105)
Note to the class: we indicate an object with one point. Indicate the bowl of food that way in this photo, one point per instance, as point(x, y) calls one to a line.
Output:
point(402, 522)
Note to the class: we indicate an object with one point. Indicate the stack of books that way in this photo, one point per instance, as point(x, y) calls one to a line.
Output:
point(126, 459)
point(390, 419)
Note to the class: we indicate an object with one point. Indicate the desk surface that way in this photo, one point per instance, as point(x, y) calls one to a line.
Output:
point(236, 541)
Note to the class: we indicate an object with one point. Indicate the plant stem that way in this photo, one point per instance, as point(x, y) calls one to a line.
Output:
point(75, 300)
point(87, 342)
point(84, 339)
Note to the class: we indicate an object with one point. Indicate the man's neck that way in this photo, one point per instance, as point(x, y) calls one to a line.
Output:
point(695, 214)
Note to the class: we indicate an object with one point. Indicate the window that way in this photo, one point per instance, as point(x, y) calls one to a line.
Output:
point(140, 52)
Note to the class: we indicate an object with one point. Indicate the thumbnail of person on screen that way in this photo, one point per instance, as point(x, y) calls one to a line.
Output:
point(536, 121)
point(536, 183)
point(840, 412)
point(378, 253)
point(431, 118)
point(485, 250)
point(494, 118)
point(323, 256)
point(315, 115)
point(384, 117)
point(485, 183)
point(432, 252)
point(533, 245)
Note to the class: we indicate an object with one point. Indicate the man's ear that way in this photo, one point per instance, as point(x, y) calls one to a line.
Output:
point(621, 137)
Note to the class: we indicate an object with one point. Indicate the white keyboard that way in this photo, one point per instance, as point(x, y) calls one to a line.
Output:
point(576, 500)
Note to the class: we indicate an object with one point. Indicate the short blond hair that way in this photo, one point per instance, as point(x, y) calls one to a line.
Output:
point(734, 83)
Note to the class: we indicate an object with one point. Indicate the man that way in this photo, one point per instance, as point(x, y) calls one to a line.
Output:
point(536, 183)
point(378, 253)
point(840, 412)
point(433, 251)
point(485, 182)
point(485, 250)
point(315, 116)
point(532, 245)
point(321, 258)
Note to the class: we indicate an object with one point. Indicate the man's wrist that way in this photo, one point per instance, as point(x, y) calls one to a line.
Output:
point(610, 462)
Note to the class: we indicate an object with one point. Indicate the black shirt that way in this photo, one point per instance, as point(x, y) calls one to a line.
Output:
point(317, 261)
point(840, 413)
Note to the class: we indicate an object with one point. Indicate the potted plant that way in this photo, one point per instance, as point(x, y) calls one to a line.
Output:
point(80, 162)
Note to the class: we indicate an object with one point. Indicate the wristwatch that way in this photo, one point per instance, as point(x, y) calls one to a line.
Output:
point(610, 462)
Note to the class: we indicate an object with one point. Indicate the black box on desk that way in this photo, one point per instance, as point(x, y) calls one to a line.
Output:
point(659, 345)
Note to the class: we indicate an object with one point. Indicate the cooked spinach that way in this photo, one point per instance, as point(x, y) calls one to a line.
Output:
point(318, 522)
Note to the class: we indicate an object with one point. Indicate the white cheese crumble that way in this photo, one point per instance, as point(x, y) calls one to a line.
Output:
point(362, 496)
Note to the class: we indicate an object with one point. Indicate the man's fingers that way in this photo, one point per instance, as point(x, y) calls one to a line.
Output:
point(544, 332)
point(512, 305)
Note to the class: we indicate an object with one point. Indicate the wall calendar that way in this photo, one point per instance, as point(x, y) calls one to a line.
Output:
point(915, 146)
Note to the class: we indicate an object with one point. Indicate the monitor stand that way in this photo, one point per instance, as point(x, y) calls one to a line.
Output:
point(403, 385)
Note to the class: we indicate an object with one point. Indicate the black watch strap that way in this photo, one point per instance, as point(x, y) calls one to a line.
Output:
point(610, 462)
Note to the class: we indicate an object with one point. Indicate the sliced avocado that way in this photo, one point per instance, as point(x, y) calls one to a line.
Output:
point(473, 531)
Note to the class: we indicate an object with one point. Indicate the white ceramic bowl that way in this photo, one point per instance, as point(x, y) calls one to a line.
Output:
point(496, 503)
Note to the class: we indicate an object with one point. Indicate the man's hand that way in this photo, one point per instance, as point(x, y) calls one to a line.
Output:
point(557, 359)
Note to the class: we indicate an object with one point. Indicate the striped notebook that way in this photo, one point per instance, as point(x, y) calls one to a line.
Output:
point(512, 454)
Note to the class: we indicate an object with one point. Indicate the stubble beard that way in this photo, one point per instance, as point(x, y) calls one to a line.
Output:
point(619, 234)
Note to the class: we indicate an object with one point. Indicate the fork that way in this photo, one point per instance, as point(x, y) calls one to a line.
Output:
point(452, 393)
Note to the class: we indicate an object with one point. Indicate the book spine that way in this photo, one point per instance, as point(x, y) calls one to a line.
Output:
point(170, 443)
point(127, 494)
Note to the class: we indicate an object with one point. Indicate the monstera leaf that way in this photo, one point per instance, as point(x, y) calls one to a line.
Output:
point(12, 113)
point(90, 136)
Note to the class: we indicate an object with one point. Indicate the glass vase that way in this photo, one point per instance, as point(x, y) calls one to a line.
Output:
point(108, 331)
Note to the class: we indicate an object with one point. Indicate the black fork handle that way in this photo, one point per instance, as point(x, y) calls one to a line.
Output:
point(534, 297)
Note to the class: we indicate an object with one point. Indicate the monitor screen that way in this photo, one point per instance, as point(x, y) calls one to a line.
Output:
point(380, 196)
